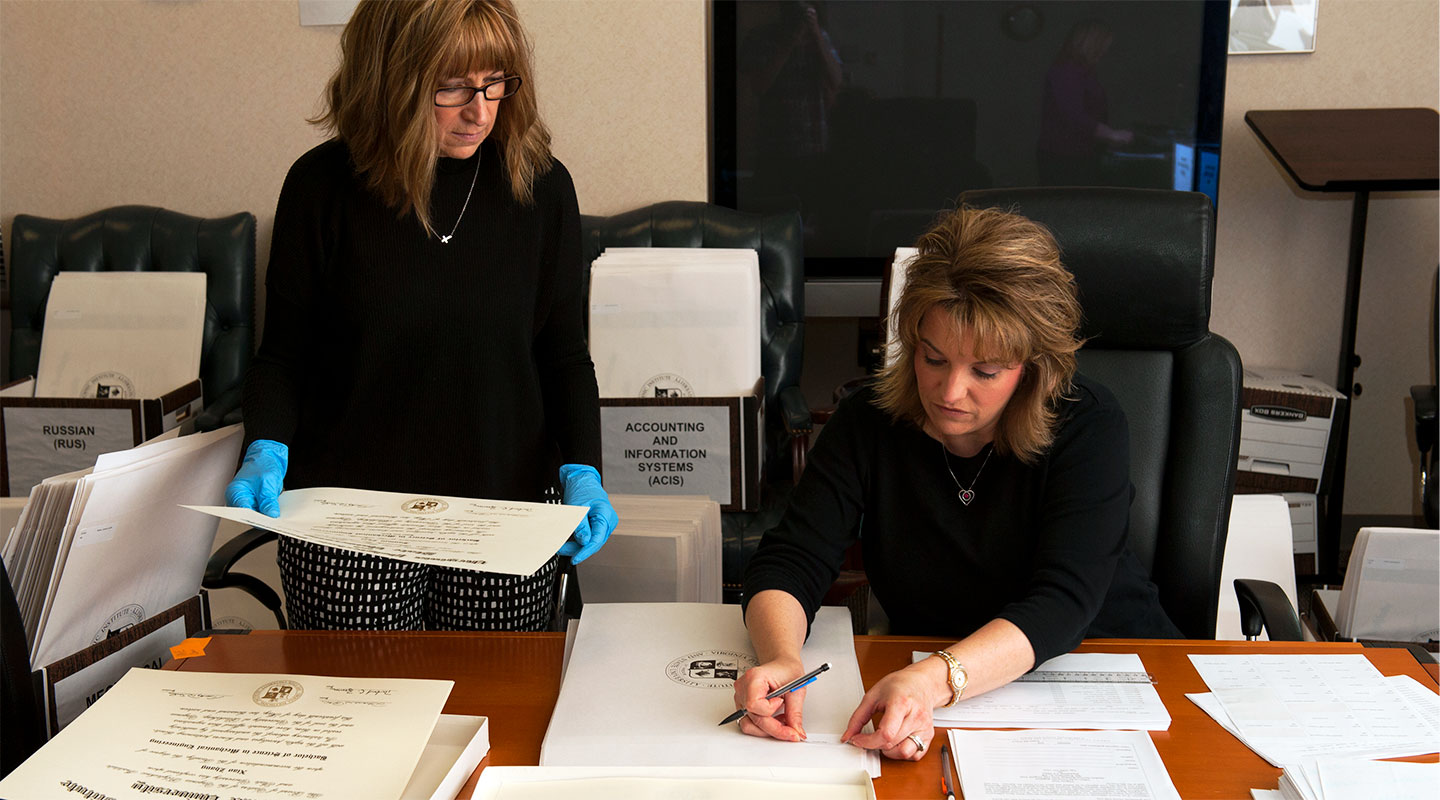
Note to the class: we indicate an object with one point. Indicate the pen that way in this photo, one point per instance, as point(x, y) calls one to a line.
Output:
point(945, 785)
point(800, 682)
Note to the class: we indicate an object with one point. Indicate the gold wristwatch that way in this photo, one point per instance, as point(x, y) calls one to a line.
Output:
point(957, 676)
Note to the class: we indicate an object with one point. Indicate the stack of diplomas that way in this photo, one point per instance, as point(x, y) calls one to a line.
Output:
point(675, 321)
point(646, 685)
point(161, 733)
point(1388, 569)
point(102, 549)
point(121, 334)
point(666, 549)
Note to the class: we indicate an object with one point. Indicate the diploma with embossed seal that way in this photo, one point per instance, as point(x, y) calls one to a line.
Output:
point(511, 537)
point(160, 733)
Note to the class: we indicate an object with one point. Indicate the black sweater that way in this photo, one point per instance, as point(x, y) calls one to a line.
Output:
point(392, 361)
point(1042, 546)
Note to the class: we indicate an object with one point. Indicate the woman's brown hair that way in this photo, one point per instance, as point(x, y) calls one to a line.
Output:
point(380, 101)
point(997, 276)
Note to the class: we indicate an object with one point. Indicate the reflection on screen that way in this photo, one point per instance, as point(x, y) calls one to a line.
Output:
point(869, 117)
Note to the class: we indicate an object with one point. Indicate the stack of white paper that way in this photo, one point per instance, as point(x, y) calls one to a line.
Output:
point(99, 550)
point(1037, 703)
point(675, 321)
point(666, 549)
point(1019, 765)
point(899, 271)
point(202, 734)
point(1390, 586)
point(121, 334)
point(1291, 709)
point(647, 684)
point(668, 783)
point(1355, 779)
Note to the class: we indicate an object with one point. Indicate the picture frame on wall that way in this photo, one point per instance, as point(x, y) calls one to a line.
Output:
point(1273, 26)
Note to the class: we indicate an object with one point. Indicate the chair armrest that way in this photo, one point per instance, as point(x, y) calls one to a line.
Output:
point(218, 573)
point(1263, 605)
point(1425, 402)
point(224, 410)
point(795, 412)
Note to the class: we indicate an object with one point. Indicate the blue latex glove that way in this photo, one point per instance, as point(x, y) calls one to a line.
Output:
point(261, 478)
point(582, 488)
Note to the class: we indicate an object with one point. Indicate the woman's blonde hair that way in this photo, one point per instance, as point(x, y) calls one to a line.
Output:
point(380, 101)
point(997, 276)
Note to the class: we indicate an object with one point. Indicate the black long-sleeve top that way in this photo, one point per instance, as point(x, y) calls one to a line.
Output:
point(1040, 545)
point(395, 362)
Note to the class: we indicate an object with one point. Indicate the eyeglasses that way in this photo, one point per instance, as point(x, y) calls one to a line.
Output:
point(498, 89)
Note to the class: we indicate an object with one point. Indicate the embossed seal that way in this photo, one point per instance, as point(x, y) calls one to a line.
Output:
point(277, 693)
point(667, 384)
point(424, 505)
point(709, 669)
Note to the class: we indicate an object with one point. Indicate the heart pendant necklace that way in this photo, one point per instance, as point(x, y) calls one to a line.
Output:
point(967, 493)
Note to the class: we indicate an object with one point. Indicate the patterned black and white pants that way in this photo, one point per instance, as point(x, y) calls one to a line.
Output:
point(331, 589)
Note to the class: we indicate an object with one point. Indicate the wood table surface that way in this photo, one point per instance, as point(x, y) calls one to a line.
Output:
point(514, 679)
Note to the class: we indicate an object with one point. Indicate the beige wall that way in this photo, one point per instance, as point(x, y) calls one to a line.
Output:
point(199, 105)
point(1281, 252)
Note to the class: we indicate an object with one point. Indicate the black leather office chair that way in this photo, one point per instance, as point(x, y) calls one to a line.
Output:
point(778, 240)
point(141, 239)
point(1143, 260)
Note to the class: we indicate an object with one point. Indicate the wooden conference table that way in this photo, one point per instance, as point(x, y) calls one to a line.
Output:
point(514, 679)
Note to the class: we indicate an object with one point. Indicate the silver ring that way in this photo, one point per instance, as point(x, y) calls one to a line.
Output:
point(919, 745)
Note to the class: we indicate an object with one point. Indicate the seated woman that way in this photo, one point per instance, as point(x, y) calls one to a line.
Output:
point(988, 484)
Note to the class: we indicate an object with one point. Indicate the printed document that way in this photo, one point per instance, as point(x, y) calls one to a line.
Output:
point(1024, 765)
point(514, 538)
point(1295, 708)
point(648, 683)
point(161, 733)
point(1064, 704)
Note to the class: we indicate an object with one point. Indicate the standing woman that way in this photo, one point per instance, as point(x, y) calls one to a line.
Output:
point(423, 330)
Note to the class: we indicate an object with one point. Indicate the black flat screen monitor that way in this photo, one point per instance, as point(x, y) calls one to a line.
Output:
point(871, 117)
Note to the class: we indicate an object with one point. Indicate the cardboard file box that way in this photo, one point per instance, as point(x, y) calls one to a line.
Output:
point(1287, 432)
point(685, 446)
point(74, 683)
point(45, 436)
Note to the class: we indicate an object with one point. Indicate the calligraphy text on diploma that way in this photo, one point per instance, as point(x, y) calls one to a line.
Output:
point(238, 737)
point(510, 537)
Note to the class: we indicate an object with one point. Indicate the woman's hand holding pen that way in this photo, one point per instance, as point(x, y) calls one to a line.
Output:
point(906, 700)
point(760, 718)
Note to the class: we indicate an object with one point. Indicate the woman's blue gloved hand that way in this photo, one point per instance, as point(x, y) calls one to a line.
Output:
point(261, 478)
point(582, 488)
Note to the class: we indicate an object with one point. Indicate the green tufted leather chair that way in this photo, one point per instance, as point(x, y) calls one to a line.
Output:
point(139, 239)
point(778, 239)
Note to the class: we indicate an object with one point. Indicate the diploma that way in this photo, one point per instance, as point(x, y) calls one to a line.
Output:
point(514, 538)
point(231, 736)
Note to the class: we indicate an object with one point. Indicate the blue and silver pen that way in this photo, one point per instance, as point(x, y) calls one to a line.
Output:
point(802, 681)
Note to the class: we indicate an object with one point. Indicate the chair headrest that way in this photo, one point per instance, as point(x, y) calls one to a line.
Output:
point(1143, 259)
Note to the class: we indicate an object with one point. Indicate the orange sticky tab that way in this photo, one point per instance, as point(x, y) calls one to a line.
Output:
point(190, 648)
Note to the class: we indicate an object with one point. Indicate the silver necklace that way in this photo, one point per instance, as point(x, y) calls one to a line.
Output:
point(446, 238)
point(967, 493)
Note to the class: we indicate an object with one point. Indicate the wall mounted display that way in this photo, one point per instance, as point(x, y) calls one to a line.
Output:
point(1273, 26)
point(870, 117)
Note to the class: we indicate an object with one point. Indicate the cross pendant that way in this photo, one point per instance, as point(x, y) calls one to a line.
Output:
point(445, 239)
